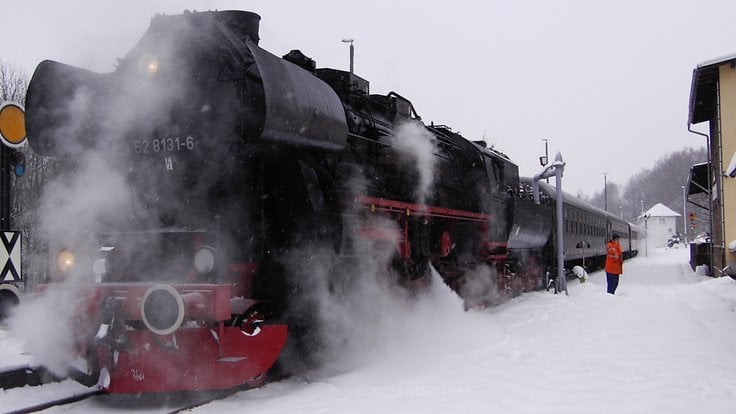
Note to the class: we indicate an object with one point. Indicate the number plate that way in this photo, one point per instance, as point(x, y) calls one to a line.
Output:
point(167, 144)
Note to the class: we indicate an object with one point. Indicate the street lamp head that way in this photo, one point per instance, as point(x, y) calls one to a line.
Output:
point(346, 40)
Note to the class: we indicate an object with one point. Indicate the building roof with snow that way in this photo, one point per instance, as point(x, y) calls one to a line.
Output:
point(660, 210)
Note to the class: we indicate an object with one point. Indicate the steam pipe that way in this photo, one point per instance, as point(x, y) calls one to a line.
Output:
point(548, 171)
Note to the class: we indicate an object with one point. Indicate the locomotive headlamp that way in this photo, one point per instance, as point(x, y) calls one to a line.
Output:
point(148, 64)
point(204, 260)
point(65, 261)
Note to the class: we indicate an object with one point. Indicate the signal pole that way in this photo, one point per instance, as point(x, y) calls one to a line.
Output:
point(5, 192)
point(605, 191)
point(546, 155)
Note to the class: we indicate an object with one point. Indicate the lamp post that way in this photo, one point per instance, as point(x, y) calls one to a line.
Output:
point(684, 214)
point(646, 235)
point(546, 155)
point(605, 191)
point(352, 53)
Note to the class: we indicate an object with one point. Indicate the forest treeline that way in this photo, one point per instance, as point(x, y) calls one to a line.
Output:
point(661, 183)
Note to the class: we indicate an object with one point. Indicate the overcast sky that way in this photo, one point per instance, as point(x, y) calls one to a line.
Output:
point(607, 83)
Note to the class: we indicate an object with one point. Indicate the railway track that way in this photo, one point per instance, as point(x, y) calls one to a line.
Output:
point(57, 402)
point(34, 377)
point(64, 393)
point(187, 402)
point(26, 375)
point(213, 396)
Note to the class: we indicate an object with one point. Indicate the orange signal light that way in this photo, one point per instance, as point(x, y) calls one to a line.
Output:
point(12, 124)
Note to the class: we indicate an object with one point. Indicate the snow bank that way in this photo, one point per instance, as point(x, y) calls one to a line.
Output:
point(663, 344)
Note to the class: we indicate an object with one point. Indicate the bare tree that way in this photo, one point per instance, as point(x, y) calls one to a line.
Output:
point(13, 83)
point(659, 184)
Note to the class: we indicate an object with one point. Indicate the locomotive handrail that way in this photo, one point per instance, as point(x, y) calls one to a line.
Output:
point(411, 105)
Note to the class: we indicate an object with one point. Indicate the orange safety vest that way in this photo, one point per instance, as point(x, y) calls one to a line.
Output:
point(614, 259)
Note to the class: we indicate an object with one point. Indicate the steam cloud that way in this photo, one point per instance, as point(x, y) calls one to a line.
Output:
point(45, 323)
point(88, 197)
point(73, 208)
point(416, 146)
point(355, 306)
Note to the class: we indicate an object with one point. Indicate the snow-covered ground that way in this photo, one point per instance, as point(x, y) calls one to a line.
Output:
point(663, 344)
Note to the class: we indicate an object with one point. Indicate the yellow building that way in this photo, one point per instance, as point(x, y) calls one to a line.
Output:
point(713, 100)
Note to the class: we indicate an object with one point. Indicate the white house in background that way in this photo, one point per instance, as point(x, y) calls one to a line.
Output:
point(660, 225)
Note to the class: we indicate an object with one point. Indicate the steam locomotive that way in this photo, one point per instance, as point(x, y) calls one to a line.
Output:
point(226, 159)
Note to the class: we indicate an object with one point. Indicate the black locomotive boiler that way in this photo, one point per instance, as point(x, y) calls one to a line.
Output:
point(232, 159)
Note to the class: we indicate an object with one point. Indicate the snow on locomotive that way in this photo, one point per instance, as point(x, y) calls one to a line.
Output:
point(203, 161)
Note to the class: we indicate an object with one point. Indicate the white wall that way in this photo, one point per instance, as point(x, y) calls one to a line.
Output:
point(659, 230)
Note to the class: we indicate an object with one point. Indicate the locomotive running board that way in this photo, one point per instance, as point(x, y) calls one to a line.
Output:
point(393, 206)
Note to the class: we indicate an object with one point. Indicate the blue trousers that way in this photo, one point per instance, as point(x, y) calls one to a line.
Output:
point(612, 280)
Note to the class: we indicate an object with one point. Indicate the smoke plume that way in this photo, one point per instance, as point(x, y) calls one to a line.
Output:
point(416, 145)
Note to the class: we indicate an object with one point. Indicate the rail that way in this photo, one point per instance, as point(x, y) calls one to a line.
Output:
point(58, 402)
point(26, 375)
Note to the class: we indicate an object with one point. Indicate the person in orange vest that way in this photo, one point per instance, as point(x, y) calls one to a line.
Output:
point(614, 263)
